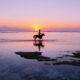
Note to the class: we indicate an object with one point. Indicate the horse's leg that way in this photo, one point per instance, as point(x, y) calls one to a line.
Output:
point(42, 38)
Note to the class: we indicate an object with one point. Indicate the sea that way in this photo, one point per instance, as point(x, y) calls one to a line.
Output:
point(56, 61)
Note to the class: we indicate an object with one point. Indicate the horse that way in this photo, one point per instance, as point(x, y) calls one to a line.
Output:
point(38, 36)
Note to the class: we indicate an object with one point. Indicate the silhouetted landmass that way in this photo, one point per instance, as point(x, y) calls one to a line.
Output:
point(12, 29)
point(75, 63)
point(29, 55)
point(15, 29)
point(71, 59)
point(76, 54)
point(34, 55)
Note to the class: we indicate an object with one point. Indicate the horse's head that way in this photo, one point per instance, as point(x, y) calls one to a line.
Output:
point(43, 34)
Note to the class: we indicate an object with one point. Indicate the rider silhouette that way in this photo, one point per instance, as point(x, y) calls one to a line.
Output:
point(39, 32)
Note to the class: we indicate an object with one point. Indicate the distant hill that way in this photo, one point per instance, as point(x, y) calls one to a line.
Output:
point(12, 29)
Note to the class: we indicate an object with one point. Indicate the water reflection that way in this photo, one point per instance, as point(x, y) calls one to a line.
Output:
point(35, 55)
point(73, 59)
point(39, 44)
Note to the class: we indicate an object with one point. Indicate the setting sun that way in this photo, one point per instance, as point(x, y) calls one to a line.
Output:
point(36, 27)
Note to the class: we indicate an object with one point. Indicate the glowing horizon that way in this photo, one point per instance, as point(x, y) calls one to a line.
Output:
point(44, 26)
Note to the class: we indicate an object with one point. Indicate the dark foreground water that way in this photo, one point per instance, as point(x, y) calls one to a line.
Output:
point(56, 62)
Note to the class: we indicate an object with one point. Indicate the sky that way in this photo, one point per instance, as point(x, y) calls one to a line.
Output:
point(50, 15)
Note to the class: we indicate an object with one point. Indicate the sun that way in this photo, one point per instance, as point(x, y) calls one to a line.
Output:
point(36, 27)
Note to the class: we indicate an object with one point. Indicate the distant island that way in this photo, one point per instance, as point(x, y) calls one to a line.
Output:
point(13, 29)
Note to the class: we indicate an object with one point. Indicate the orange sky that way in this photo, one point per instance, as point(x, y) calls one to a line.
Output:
point(44, 25)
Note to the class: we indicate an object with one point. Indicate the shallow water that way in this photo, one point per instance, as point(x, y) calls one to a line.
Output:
point(55, 45)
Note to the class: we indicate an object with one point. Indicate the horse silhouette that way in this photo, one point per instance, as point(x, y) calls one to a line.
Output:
point(39, 36)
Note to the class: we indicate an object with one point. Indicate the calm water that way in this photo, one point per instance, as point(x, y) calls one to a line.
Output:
point(54, 46)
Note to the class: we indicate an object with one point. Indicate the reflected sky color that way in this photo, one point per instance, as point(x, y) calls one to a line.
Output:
point(15, 66)
point(53, 43)
point(49, 14)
